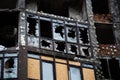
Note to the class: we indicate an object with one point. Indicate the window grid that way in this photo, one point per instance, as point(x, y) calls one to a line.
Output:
point(60, 42)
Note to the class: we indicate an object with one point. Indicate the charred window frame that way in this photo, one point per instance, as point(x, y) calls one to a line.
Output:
point(9, 28)
point(32, 30)
point(63, 36)
point(9, 65)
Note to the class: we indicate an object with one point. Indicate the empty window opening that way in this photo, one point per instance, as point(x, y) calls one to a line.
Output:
point(8, 4)
point(62, 8)
point(105, 33)
point(45, 29)
point(32, 25)
point(9, 29)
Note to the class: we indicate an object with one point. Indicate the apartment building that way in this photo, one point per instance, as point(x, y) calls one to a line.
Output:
point(59, 40)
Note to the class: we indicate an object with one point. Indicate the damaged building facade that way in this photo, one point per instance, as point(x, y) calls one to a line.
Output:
point(59, 40)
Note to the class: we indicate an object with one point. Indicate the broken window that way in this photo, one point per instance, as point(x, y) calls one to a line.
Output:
point(60, 46)
point(85, 51)
point(10, 67)
point(72, 49)
point(46, 44)
point(45, 27)
point(71, 32)
point(58, 31)
point(9, 29)
point(33, 30)
point(83, 35)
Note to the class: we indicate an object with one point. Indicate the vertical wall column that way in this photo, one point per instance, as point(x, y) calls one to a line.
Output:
point(22, 74)
point(115, 11)
point(21, 4)
point(92, 27)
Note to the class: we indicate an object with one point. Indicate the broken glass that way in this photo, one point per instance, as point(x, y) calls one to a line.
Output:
point(84, 35)
point(60, 46)
point(10, 67)
point(32, 25)
point(72, 49)
point(58, 31)
point(33, 30)
point(46, 44)
point(85, 51)
point(71, 34)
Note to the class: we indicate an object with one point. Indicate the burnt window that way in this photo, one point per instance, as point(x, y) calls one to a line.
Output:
point(105, 33)
point(45, 28)
point(9, 28)
point(58, 31)
point(10, 67)
point(46, 44)
point(60, 46)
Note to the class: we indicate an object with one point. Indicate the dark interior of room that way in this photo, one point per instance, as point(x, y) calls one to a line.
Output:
point(8, 28)
point(104, 33)
point(59, 7)
point(45, 29)
point(110, 68)
point(100, 7)
point(8, 4)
